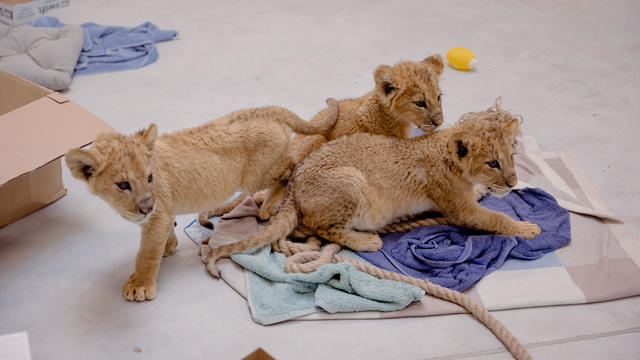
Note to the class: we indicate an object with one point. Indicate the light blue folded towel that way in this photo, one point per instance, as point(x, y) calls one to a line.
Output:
point(276, 296)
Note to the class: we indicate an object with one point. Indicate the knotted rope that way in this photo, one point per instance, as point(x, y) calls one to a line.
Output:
point(410, 224)
point(308, 257)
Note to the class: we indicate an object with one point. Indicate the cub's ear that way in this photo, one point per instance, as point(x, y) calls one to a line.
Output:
point(149, 136)
point(436, 62)
point(82, 163)
point(512, 128)
point(460, 146)
point(385, 79)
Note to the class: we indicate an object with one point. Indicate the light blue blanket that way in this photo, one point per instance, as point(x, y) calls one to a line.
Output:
point(276, 296)
point(114, 48)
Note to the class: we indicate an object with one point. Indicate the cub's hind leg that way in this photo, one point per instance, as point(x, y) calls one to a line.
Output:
point(345, 188)
point(356, 240)
point(299, 148)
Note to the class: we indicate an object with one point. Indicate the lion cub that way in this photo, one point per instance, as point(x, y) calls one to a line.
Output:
point(404, 95)
point(359, 183)
point(148, 179)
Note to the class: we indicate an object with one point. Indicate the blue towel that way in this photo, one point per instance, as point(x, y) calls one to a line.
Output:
point(457, 257)
point(114, 48)
point(276, 296)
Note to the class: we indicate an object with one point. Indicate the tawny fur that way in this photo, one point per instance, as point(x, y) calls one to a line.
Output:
point(405, 95)
point(356, 184)
point(149, 181)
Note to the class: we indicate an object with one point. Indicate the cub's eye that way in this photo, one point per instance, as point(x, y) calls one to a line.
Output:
point(124, 185)
point(494, 164)
point(440, 97)
point(150, 178)
point(388, 88)
point(421, 104)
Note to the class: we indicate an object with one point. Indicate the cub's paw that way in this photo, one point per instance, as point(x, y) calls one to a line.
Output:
point(203, 219)
point(263, 213)
point(259, 197)
point(139, 290)
point(267, 210)
point(363, 241)
point(480, 191)
point(527, 230)
point(211, 266)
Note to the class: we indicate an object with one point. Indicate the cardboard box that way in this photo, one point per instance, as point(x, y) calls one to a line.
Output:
point(15, 346)
point(259, 354)
point(37, 126)
point(18, 12)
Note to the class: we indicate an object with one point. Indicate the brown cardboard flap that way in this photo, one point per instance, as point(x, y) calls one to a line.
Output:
point(30, 192)
point(16, 92)
point(57, 97)
point(41, 131)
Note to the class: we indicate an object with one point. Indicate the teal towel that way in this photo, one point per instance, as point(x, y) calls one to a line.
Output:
point(276, 296)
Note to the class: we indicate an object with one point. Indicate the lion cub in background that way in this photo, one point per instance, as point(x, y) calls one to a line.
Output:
point(405, 95)
point(356, 184)
point(148, 179)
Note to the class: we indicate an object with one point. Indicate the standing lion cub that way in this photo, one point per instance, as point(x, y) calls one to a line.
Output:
point(356, 184)
point(148, 179)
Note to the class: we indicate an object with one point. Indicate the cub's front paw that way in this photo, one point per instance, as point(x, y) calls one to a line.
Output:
point(527, 230)
point(139, 290)
point(480, 191)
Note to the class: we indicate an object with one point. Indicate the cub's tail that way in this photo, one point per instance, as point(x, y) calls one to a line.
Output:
point(316, 127)
point(282, 224)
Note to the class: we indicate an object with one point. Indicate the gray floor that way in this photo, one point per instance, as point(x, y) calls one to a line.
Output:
point(570, 68)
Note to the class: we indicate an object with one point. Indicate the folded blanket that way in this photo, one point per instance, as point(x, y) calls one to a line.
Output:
point(45, 56)
point(276, 296)
point(114, 48)
point(457, 257)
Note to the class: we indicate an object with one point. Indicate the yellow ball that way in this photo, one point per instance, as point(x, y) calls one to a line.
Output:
point(461, 58)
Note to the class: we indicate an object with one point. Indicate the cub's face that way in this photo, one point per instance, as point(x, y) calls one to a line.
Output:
point(410, 91)
point(485, 150)
point(117, 168)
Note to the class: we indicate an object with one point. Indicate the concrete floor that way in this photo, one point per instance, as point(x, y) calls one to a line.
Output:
point(570, 68)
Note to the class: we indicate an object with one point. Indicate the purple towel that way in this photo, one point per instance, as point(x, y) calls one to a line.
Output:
point(457, 257)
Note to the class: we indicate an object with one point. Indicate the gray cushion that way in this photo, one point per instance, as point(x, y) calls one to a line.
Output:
point(46, 56)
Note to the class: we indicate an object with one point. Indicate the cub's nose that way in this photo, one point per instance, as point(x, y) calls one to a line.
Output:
point(145, 206)
point(437, 119)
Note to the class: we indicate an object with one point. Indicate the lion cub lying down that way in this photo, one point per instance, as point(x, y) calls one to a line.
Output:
point(359, 183)
point(405, 95)
point(149, 181)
